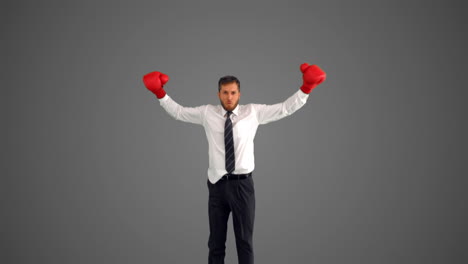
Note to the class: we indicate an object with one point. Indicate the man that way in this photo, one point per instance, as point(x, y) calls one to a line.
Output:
point(230, 129)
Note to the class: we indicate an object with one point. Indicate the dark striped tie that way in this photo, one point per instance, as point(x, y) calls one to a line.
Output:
point(229, 145)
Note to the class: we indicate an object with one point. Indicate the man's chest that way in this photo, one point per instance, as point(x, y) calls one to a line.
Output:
point(244, 125)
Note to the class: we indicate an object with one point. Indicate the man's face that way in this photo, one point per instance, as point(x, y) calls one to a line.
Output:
point(229, 96)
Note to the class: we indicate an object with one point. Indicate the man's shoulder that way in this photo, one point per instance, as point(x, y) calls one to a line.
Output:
point(250, 106)
point(247, 109)
point(209, 108)
point(247, 105)
point(212, 107)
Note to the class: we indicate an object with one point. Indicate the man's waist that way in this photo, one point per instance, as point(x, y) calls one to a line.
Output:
point(231, 176)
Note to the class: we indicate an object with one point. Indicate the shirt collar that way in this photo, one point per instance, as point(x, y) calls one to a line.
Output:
point(235, 111)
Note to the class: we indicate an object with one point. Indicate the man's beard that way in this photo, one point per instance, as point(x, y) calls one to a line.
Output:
point(225, 108)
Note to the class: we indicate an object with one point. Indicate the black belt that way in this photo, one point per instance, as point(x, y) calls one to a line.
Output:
point(236, 176)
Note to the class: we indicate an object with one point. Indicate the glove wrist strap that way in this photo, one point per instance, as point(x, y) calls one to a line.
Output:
point(308, 88)
point(160, 93)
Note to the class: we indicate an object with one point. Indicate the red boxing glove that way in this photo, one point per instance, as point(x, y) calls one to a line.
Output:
point(312, 76)
point(155, 81)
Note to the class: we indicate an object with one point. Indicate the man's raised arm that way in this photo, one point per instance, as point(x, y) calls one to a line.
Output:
point(154, 82)
point(312, 76)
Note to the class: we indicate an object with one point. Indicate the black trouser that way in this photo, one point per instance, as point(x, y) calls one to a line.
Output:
point(236, 196)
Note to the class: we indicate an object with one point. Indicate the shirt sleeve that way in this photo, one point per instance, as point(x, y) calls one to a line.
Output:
point(270, 113)
point(193, 115)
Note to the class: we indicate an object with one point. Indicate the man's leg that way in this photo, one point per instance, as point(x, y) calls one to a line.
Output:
point(218, 212)
point(243, 215)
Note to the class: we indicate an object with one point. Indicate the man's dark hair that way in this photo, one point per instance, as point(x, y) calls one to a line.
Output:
point(228, 79)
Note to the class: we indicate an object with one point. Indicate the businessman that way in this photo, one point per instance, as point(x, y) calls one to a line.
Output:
point(230, 130)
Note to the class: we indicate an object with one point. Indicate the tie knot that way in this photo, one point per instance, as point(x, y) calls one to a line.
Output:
point(229, 113)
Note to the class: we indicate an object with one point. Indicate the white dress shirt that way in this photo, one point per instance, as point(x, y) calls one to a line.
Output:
point(245, 121)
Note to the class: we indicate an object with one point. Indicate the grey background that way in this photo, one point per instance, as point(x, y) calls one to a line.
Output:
point(368, 171)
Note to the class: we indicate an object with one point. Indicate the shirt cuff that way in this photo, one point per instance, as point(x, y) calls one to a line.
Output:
point(164, 99)
point(302, 95)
